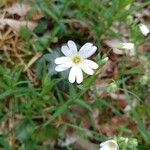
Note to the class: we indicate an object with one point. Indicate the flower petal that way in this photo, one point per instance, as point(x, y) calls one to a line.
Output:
point(105, 148)
point(63, 67)
point(66, 51)
point(72, 75)
point(60, 68)
point(128, 46)
point(72, 46)
point(130, 52)
point(87, 50)
point(104, 143)
point(79, 75)
point(109, 145)
point(109, 141)
point(85, 47)
point(91, 64)
point(144, 29)
point(87, 69)
point(61, 60)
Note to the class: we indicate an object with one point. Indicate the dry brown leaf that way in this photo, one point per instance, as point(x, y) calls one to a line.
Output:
point(113, 44)
point(20, 9)
point(5, 2)
point(85, 145)
point(109, 69)
point(17, 25)
point(118, 96)
point(1, 27)
point(31, 62)
point(78, 143)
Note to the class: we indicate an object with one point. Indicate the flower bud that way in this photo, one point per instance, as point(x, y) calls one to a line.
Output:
point(112, 87)
point(144, 80)
point(144, 29)
point(130, 19)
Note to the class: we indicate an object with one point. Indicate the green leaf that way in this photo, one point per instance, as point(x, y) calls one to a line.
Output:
point(47, 84)
point(45, 133)
point(4, 144)
point(133, 71)
point(17, 73)
point(25, 130)
point(59, 110)
point(25, 33)
point(124, 3)
point(83, 104)
point(41, 64)
point(140, 124)
point(41, 43)
point(89, 81)
point(5, 94)
point(41, 27)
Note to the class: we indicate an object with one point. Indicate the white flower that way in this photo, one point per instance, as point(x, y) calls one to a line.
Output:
point(68, 141)
point(144, 29)
point(109, 145)
point(129, 48)
point(76, 60)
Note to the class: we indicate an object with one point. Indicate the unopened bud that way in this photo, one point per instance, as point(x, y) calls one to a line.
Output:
point(130, 19)
point(112, 88)
point(144, 80)
point(105, 59)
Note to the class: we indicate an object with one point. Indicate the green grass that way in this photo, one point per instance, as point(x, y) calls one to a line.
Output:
point(40, 105)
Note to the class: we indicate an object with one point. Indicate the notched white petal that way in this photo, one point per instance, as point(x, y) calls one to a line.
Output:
point(61, 60)
point(85, 47)
point(79, 75)
point(63, 67)
point(72, 46)
point(91, 64)
point(60, 68)
point(66, 51)
point(72, 75)
point(87, 69)
point(87, 50)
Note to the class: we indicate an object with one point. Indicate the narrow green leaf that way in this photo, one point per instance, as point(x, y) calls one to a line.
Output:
point(45, 133)
point(83, 104)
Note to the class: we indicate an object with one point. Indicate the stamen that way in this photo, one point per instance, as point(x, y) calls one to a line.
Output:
point(76, 59)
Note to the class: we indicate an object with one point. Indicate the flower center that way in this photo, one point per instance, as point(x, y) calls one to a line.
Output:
point(76, 59)
point(112, 145)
